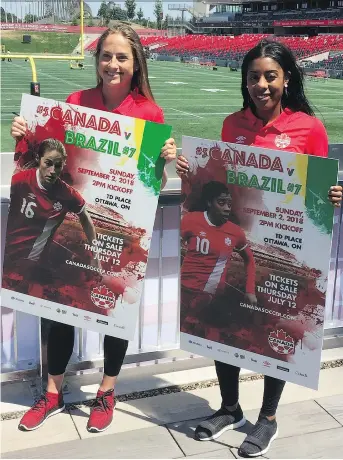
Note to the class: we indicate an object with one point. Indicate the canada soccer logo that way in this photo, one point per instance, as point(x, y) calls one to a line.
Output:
point(228, 241)
point(103, 297)
point(282, 141)
point(57, 206)
point(281, 342)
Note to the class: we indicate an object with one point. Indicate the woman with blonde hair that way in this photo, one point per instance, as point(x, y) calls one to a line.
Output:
point(122, 88)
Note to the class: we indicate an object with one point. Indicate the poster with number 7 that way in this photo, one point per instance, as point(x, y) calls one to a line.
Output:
point(84, 194)
point(256, 235)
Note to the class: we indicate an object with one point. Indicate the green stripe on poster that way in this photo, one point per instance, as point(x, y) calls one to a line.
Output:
point(150, 164)
point(321, 175)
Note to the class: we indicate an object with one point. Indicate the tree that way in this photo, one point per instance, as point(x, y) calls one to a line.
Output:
point(140, 15)
point(158, 12)
point(165, 24)
point(90, 22)
point(118, 14)
point(130, 6)
point(30, 18)
point(103, 12)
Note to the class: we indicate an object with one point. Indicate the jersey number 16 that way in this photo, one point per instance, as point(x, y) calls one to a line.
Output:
point(27, 208)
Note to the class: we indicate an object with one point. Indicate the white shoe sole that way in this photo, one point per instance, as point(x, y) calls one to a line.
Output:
point(92, 429)
point(25, 428)
point(264, 451)
point(226, 428)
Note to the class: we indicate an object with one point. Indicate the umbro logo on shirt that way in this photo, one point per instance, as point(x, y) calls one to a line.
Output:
point(282, 141)
point(32, 196)
point(57, 206)
point(240, 139)
point(202, 234)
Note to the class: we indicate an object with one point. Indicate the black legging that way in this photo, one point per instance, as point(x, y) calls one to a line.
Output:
point(228, 377)
point(61, 344)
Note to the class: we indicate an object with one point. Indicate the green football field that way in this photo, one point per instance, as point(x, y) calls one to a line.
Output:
point(195, 100)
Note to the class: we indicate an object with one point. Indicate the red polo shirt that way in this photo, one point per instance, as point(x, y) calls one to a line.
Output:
point(134, 105)
point(291, 131)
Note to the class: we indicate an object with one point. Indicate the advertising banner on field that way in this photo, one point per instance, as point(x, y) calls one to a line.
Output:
point(256, 234)
point(83, 200)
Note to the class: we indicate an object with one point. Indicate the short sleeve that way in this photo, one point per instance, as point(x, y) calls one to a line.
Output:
point(159, 117)
point(242, 241)
point(317, 142)
point(74, 98)
point(186, 225)
point(75, 202)
point(225, 129)
point(229, 128)
point(17, 179)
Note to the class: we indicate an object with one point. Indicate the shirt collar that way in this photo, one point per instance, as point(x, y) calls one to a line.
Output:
point(125, 107)
point(279, 123)
point(208, 220)
point(38, 181)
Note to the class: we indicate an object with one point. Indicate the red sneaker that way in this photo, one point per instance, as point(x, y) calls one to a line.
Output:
point(47, 405)
point(102, 411)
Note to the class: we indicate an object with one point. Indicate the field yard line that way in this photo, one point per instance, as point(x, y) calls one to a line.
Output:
point(202, 70)
point(55, 78)
point(186, 113)
point(323, 90)
point(331, 108)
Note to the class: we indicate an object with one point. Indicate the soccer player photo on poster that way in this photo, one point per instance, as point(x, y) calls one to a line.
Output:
point(83, 199)
point(256, 234)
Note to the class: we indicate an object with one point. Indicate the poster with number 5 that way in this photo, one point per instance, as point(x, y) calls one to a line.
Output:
point(256, 235)
point(83, 199)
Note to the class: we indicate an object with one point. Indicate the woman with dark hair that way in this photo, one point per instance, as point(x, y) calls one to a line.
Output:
point(40, 201)
point(211, 238)
point(122, 88)
point(276, 115)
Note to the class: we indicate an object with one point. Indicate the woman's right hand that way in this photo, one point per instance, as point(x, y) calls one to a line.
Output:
point(182, 166)
point(18, 128)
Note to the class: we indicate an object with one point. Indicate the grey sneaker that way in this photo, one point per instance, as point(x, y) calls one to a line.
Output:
point(221, 421)
point(259, 440)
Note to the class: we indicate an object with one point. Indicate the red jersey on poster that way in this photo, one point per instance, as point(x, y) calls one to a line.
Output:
point(209, 250)
point(38, 213)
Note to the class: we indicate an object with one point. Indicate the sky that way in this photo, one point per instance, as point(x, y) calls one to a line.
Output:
point(16, 7)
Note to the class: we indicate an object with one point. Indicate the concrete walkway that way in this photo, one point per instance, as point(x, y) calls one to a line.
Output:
point(310, 422)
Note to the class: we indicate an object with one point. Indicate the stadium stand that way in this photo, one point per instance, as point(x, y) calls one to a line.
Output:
point(290, 15)
point(207, 47)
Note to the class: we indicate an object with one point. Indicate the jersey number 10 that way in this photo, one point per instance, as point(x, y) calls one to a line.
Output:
point(202, 245)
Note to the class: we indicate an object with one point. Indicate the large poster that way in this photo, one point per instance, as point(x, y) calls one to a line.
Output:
point(83, 200)
point(256, 234)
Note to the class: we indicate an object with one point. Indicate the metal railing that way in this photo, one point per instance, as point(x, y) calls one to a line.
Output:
point(24, 337)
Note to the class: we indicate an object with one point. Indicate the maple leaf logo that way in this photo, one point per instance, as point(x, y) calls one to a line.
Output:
point(281, 342)
point(282, 141)
point(102, 297)
point(57, 206)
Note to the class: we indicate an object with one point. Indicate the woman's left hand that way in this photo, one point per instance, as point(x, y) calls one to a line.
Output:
point(335, 195)
point(168, 151)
